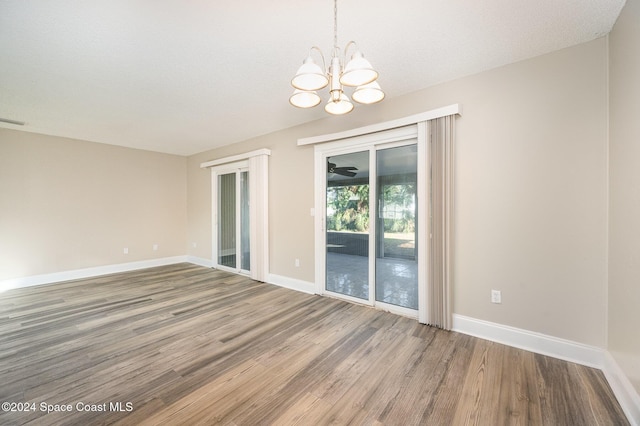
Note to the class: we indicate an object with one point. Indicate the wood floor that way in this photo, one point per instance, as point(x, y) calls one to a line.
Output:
point(183, 344)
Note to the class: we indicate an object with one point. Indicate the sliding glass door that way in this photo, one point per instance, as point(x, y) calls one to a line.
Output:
point(233, 226)
point(371, 216)
point(239, 213)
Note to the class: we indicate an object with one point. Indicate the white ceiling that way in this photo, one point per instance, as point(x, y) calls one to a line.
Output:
point(183, 77)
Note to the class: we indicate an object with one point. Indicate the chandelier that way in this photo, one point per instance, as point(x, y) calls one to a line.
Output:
point(357, 73)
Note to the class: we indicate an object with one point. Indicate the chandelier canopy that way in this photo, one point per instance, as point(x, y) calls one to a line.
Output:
point(357, 73)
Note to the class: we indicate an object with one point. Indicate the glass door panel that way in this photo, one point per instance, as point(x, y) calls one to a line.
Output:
point(233, 228)
point(227, 220)
point(347, 224)
point(245, 241)
point(396, 249)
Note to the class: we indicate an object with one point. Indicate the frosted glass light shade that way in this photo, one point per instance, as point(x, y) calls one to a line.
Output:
point(310, 76)
point(358, 71)
point(340, 107)
point(304, 99)
point(368, 94)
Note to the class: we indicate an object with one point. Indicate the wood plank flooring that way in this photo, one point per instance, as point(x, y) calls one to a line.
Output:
point(183, 344)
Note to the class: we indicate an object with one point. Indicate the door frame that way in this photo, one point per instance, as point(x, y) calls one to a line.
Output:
point(236, 169)
point(258, 166)
point(372, 142)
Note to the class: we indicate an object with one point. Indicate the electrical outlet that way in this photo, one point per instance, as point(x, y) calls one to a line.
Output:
point(155, 247)
point(297, 263)
point(125, 250)
point(496, 296)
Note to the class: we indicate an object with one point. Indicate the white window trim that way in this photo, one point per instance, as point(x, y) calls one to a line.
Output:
point(387, 125)
point(235, 158)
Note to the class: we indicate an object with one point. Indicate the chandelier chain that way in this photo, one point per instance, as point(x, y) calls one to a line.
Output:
point(335, 24)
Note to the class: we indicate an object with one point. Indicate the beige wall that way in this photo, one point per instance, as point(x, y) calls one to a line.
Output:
point(624, 216)
point(542, 213)
point(531, 191)
point(67, 204)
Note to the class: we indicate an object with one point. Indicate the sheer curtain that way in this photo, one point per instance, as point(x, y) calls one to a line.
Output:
point(440, 134)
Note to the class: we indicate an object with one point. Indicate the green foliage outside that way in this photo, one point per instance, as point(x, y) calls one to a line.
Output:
point(350, 208)
point(401, 195)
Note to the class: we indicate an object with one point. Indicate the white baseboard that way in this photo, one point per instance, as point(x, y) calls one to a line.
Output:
point(87, 272)
point(291, 283)
point(623, 389)
point(531, 341)
point(567, 350)
point(207, 263)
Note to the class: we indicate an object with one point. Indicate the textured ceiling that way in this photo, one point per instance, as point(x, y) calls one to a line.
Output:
point(186, 76)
